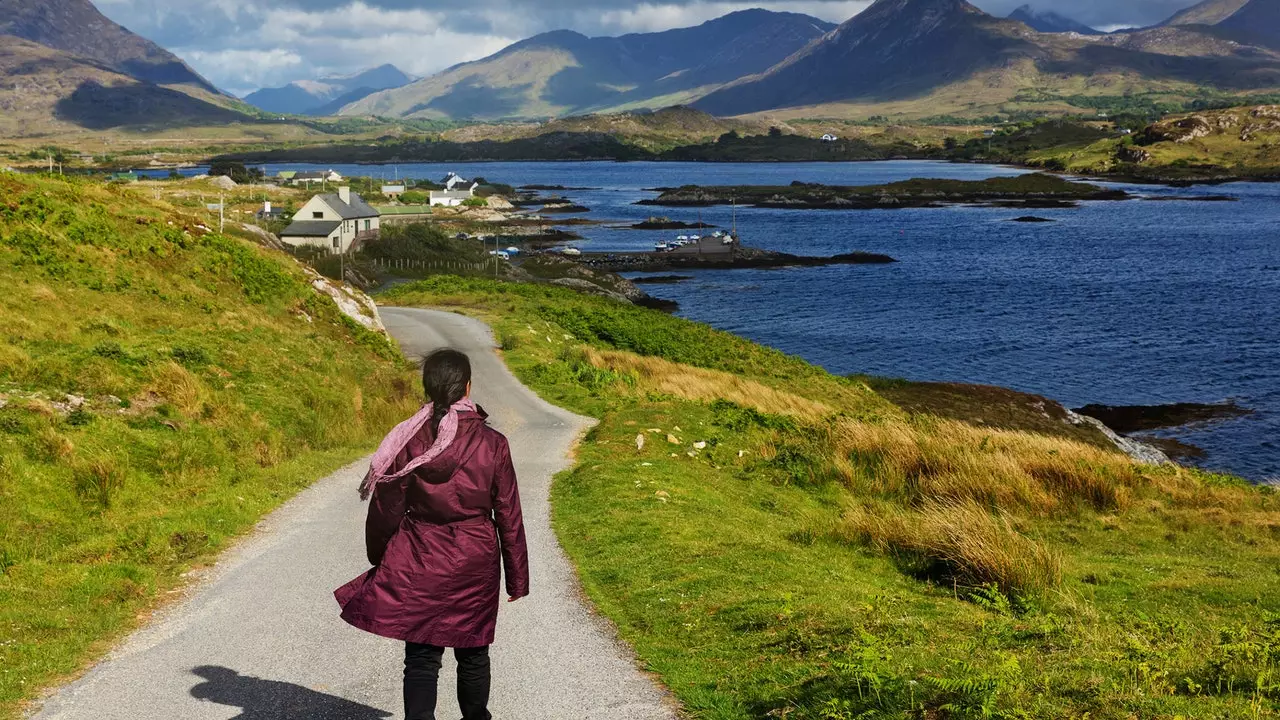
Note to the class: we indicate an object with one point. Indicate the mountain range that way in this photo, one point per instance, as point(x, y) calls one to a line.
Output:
point(62, 63)
point(326, 96)
point(921, 57)
point(564, 73)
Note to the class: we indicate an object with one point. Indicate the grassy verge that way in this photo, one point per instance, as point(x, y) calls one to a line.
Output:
point(778, 542)
point(161, 388)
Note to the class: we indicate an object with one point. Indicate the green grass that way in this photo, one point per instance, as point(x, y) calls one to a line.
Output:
point(218, 384)
point(831, 554)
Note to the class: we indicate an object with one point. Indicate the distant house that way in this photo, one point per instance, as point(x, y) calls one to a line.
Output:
point(829, 138)
point(316, 176)
point(336, 221)
point(393, 191)
point(267, 212)
point(988, 134)
point(456, 191)
point(286, 176)
point(1126, 131)
point(128, 177)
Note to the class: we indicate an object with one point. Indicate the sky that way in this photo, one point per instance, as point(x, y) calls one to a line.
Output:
point(242, 45)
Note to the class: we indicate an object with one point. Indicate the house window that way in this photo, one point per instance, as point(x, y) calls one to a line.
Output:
point(318, 215)
point(337, 244)
point(368, 225)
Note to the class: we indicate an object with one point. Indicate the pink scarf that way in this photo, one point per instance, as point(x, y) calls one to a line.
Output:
point(399, 437)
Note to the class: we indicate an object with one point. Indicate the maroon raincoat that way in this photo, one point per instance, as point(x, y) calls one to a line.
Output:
point(435, 538)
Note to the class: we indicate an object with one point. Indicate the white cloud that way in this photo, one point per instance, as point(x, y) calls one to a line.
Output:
point(650, 17)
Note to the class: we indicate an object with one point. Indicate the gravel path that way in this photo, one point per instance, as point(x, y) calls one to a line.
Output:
point(259, 638)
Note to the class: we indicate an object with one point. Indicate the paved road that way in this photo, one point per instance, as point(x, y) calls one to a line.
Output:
point(260, 638)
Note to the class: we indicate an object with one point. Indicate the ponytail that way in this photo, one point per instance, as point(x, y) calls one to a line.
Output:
point(445, 376)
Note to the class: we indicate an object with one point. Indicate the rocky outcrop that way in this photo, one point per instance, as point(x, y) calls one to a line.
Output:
point(589, 288)
point(352, 302)
point(1135, 155)
point(1140, 452)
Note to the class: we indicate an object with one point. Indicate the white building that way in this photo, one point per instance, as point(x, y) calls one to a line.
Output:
point(315, 176)
point(829, 138)
point(336, 221)
point(393, 191)
point(456, 191)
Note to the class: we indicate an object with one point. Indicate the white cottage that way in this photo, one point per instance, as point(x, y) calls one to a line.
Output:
point(336, 221)
point(456, 191)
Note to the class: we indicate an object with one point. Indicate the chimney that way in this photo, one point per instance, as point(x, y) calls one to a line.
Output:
point(344, 194)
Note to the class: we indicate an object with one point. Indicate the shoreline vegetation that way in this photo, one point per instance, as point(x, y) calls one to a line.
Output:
point(1205, 147)
point(930, 550)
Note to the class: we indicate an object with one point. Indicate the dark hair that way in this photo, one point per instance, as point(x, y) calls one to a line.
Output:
point(445, 374)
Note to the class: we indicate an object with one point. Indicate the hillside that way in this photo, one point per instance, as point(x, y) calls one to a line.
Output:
point(1257, 22)
point(1219, 144)
point(1209, 12)
point(563, 73)
point(1047, 21)
point(894, 49)
point(76, 27)
point(923, 58)
point(44, 91)
point(161, 388)
point(775, 541)
point(326, 96)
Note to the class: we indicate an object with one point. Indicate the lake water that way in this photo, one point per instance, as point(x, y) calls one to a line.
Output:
point(1123, 303)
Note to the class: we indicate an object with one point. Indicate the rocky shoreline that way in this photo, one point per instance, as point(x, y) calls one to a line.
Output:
point(743, 258)
point(1026, 191)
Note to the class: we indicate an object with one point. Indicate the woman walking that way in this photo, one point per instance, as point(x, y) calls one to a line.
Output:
point(444, 507)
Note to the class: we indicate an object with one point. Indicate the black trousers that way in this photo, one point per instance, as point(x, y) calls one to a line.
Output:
point(422, 675)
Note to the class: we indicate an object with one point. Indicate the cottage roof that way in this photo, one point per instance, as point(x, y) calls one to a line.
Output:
point(313, 175)
point(357, 208)
point(310, 228)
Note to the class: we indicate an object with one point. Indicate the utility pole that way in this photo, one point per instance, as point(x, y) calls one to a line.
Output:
point(222, 216)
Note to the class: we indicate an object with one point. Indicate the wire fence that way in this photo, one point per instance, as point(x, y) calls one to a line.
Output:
point(438, 265)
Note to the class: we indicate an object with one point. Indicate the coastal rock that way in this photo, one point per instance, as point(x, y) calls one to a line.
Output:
point(589, 288)
point(1138, 418)
point(1134, 155)
point(1140, 452)
point(352, 302)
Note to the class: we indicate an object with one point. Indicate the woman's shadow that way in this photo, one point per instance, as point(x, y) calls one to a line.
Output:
point(273, 700)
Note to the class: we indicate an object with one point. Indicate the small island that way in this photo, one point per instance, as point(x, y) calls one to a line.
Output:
point(740, 258)
point(1031, 190)
point(665, 223)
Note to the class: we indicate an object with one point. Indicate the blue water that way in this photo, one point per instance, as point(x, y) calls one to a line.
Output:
point(1123, 303)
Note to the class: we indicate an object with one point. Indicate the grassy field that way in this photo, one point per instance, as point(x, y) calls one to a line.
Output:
point(779, 542)
point(161, 388)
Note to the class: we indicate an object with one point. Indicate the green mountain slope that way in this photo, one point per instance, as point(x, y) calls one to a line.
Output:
point(563, 72)
point(162, 388)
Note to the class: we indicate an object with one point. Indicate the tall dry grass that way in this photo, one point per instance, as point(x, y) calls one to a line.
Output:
point(946, 460)
point(960, 541)
point(702, 385)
